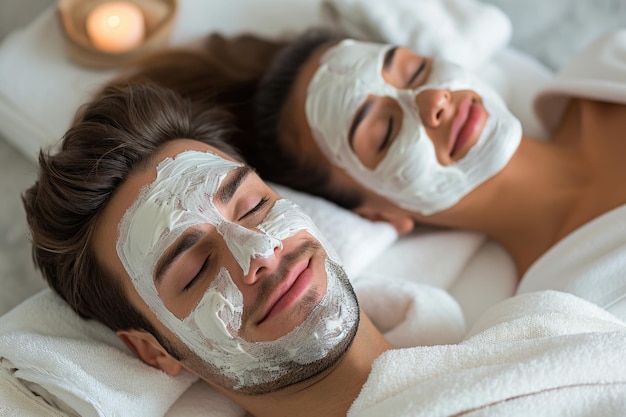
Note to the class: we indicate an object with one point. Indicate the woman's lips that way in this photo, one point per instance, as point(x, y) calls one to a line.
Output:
point(465, 125)
point(290, 290)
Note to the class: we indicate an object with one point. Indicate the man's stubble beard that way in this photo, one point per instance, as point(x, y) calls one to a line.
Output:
point(293, 372)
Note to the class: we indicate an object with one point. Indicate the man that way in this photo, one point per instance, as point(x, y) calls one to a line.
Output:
point(230, 280)
point(145, 221)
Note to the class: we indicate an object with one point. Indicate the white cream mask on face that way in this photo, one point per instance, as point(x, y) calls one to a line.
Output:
point(409, 174)
point(181, 197)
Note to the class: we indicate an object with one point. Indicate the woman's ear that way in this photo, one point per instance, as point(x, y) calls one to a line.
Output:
point(403, 223)
point(146, 347)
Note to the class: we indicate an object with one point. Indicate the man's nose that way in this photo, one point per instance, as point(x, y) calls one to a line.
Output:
point(263, 265)
point(433, 106)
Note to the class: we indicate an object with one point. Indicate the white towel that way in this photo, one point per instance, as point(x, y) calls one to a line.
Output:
point(411, 314)
point(17, 400)
point(549, 348)
point(81, 364)
point(464, 31)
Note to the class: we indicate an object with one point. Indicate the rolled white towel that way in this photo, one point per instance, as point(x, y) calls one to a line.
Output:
point(411, 314)
point(80, 366)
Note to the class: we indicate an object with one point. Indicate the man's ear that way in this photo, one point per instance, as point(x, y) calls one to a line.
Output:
point(146, 347)
point(403, 223)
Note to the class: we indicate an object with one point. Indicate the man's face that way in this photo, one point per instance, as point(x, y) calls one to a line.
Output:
point(240, 279)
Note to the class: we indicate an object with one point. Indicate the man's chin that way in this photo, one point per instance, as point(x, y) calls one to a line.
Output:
point(298, 375)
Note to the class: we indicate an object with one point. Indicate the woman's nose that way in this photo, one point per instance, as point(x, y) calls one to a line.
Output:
point(263, 265)
point(433, 106)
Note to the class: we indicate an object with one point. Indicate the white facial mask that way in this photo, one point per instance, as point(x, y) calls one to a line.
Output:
point(181, 197)
point(409, 174)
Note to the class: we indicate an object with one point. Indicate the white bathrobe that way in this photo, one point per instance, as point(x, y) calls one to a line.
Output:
point(542, 354)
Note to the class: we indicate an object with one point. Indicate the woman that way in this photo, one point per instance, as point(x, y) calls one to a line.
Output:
point(355, 111)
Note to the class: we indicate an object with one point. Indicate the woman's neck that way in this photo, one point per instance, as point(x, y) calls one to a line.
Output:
point(535, 199)
point(332, 393)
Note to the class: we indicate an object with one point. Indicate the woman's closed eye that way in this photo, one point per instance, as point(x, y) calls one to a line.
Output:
point(416, 79)
point(387, 138)
point(405, 69)
point(376, 132)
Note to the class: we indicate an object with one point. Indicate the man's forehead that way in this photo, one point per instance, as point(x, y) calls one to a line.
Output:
point(188, 162)
point(176, 146)
point(180, 195)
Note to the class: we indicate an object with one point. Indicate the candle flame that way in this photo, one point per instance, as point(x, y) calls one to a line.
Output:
point(113, 21)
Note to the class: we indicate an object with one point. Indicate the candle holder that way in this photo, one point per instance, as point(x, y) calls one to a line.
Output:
point(158, 18)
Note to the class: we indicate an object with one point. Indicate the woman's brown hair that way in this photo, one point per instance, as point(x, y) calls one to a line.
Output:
point(222, 70)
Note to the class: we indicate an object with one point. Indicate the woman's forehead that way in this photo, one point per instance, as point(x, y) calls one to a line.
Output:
point(351, 58)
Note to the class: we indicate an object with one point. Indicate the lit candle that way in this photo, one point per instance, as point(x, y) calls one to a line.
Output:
point(117, 26)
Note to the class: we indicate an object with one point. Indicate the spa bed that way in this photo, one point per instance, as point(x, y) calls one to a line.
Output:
point(462, 273)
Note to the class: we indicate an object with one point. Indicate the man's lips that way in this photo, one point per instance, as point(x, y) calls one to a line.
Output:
point(290, 289)
point(464, 125)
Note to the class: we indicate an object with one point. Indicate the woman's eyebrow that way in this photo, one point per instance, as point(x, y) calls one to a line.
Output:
point(389, 55)
point(417, 73)
point(172, 253)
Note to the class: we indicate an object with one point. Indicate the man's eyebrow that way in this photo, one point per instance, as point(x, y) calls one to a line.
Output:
point(228, 189)
point(358, 118)
point(389, 55)
point(173, 253)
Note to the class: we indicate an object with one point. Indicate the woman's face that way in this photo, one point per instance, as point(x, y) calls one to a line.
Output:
point(421, 132)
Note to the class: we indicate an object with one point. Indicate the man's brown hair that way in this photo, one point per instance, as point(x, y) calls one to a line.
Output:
point(113, 136)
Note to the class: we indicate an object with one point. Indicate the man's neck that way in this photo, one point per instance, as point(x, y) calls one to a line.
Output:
point(330, 394)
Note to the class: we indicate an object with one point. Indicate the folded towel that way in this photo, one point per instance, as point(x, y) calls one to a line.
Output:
point(17, 400)
point(411, 314)
point(81, 364)
point(464, 31)
point(549, 348)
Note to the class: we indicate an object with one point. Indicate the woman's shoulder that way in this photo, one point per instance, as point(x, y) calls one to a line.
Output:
point(595, 73)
